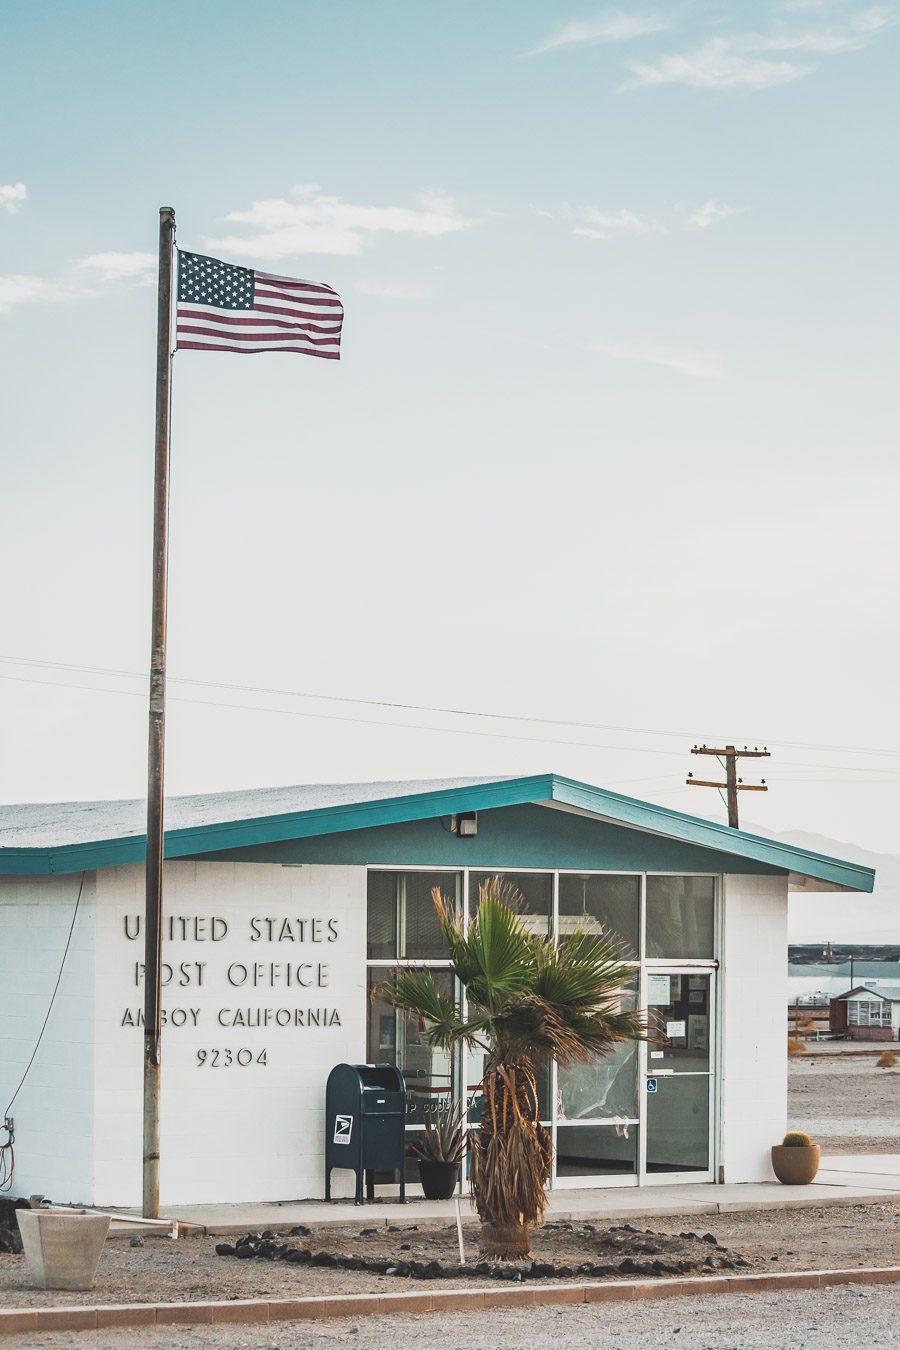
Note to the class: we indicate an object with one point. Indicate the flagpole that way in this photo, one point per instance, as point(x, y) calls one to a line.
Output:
point(157, 724)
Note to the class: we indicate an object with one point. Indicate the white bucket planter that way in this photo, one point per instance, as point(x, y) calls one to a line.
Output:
point(62, 1249)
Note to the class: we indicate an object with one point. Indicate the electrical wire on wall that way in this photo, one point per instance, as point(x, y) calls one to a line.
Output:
point(7, 1144)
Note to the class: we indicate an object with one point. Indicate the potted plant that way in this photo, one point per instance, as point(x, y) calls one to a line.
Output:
point(795, 1161)
point(439, 1152)
point(529, 998)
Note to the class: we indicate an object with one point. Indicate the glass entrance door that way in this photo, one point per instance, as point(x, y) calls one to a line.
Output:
point(678, 1094)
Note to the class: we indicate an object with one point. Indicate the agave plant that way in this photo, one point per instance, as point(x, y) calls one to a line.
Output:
point(529, 999)
point(443, 1137)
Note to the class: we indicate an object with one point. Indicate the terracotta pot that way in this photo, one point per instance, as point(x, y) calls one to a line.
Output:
point(507, 1240)
point(439, 1179)
point(795, 1166)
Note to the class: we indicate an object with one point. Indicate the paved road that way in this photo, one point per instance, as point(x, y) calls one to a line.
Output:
point(810, 1320)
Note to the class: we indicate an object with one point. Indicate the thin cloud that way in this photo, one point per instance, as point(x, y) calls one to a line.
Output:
point(76, 282)
point(312, 222)
point(751, 60)
point(121, 266)
point(715, 65)
point(12, 195)
point(699, 365)
point(710, 213)
point(22, 289)
point(398, 292)
point(612, 26)
point(592, 223)
point(626, 221)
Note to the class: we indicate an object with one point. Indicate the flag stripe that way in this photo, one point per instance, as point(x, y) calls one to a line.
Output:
point(260, 337)
point(222, 307)
point(245, 348)
point(299, 293)
point(286, 309)
point(298, 299)
point(269, 277)
point(247, 319)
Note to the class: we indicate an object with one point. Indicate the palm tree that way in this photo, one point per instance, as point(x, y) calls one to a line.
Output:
point(529, 1000)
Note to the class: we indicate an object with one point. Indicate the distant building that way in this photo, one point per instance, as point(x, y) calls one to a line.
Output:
point(817, 985)
point(866, 1014)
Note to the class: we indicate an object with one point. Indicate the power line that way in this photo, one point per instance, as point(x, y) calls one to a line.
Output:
point(364, 721)
point(891, 775)
point(422, 707)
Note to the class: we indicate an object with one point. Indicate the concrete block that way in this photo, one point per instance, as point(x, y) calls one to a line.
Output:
point(62, 1250)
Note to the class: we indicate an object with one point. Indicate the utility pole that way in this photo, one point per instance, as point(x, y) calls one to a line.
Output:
point(732, 785)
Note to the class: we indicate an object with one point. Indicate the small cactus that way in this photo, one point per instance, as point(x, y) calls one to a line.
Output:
point(796, 1139)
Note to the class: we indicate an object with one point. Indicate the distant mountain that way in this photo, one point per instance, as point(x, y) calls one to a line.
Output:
point(843, 918)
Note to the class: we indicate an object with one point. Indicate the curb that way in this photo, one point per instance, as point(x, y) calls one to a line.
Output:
point(14, 1321)
point(832, 1195)
point(697, 1209)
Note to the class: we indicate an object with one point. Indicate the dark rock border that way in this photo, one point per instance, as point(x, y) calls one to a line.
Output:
point(10, 1240)
point(270, 1246)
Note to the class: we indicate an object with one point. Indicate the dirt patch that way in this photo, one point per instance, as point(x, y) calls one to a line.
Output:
point(845, 1102)
point(560, 1251)
point(190, 1270)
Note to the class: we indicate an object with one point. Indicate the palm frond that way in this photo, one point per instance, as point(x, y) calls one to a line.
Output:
point(415, 991)
point(456, 935)
point(501, 948)
point(585, 970)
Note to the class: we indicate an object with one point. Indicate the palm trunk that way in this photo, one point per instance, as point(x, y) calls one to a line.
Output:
point(511, 1161)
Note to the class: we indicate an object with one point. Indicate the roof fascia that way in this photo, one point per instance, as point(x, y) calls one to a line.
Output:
point(274, 829)
point(708, 834)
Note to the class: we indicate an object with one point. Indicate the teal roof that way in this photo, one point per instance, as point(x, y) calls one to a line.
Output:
point(52, 838)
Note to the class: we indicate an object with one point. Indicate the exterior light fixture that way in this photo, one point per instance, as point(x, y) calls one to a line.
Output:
point(465, 825)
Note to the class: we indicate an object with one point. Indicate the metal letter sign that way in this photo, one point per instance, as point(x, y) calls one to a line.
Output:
point(651, 1084)
point(343, 1126)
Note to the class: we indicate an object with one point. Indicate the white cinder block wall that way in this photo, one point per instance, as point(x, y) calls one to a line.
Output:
point(255, 1131)
point(754, 1033)
point(246, 1131)
point(54, 1111)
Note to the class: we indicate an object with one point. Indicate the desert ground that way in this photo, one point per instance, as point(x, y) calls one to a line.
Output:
point(837, 1094)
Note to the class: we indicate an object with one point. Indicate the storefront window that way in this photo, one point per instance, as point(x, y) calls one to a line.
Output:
point(596, 1150)
point(597, 1106)
point(606, 905)
point(680, 917)
point(399, 1038)
point(382, 915)
point(402, 923)
point(535, 902)
point(606, 1087)
point(402, 927)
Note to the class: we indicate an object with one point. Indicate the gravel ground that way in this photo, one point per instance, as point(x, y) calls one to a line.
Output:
point(845, 1102)
point(819, 1319)
point(189, 1270)
point(851, 1105)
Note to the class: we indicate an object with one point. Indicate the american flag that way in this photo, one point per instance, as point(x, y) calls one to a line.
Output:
point(223, 308)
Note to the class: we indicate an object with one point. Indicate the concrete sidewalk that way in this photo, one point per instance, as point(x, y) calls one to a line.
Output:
point(842, 1180)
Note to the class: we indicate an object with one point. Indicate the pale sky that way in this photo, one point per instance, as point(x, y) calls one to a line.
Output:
point(613, 439)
